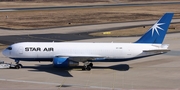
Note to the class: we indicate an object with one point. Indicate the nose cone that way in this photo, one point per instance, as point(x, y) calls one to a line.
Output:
point(5, 53)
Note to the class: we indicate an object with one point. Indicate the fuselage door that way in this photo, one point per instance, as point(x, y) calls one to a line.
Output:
point(20, 50)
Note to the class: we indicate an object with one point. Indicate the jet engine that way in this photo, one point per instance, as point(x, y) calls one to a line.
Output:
point(64, 62)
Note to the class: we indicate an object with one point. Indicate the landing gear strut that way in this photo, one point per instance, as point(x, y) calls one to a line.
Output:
point(87, 66)
point(18, 65)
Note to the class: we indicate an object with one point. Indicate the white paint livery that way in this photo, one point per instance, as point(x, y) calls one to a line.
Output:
point(64, 49)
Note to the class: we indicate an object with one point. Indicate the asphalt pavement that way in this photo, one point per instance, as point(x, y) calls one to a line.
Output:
point(43, 38)
point(88, 6)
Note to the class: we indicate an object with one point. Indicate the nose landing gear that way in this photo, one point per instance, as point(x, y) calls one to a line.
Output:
point(18, 65)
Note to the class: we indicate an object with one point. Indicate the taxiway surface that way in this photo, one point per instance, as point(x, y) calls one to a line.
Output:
point(90, 6)
point(155, 72)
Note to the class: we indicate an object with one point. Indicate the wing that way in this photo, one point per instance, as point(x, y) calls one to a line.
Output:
point(82, 58)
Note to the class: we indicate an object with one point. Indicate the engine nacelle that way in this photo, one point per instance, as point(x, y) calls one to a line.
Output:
point(64, 62)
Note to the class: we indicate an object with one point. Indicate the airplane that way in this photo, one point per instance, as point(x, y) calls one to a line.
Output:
point(67, 54)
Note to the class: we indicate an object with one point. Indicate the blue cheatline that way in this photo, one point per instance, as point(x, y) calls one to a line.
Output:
point(158, 31)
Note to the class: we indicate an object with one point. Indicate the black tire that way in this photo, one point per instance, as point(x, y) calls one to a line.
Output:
point(17, 67)
point(91, 65)
point(83, 68)
point(20, 65)
point(88, 68)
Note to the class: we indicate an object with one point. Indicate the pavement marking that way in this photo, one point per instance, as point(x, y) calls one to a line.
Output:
point(51, 83)
point(35, 82)
point(10, 10)
point(114, 77)
point(88, 80)
point(64, 79)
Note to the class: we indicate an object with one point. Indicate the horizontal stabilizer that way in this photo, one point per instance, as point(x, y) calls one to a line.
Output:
point(158, 51)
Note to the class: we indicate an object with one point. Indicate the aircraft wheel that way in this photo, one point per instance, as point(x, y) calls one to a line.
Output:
point(20, 65)
point(91, 65)
point(88, 68)
point(83, 68)
point(17, 66)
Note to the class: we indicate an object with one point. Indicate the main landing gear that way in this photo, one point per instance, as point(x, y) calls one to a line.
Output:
point(18, 65)
point(87, 66)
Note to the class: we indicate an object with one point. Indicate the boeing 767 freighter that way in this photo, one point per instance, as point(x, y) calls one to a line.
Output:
point(65, 54)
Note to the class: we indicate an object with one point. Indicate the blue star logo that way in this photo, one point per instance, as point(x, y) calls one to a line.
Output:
point(156, 27)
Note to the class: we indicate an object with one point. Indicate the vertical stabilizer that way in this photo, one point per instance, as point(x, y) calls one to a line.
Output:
point(158, 31)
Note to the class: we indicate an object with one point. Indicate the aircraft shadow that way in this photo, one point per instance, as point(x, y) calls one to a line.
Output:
point(119, 67)
point(65, 71)
point(50, 69)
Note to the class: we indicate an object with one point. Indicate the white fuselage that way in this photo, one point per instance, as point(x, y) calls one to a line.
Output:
point(106, 50)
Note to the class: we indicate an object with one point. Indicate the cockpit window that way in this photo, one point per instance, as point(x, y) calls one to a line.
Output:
point(9, 48)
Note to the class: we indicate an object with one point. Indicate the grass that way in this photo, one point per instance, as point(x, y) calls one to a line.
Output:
point(148, 0)
point(43, 3)
point(70, 17)
point(2, 46)
point(47, 3)
point(134, 31)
